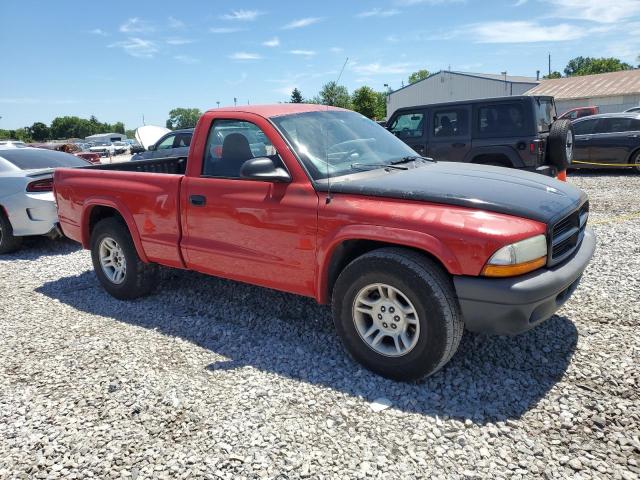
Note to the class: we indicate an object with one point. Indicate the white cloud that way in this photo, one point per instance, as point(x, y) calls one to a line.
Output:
point(427, 2)
point(178, 41)
point(224, 30)
point(382, 69)
point(302, 22)
point(137, 47)
point(274, 42)
point(136, 25)
point(601, 11)
point(175, 23)
point(521, 32)
point(519, 3)
point(98, 31)
point(186, 59)
point(242, 15)
point(304, 53)
point(336, 49)
point(285, 90)
point(245, 56)
point(378, 12)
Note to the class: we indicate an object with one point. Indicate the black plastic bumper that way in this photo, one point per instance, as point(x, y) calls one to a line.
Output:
point(514, 305)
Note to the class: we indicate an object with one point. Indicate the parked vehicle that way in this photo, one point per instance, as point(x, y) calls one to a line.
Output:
point(632, 110)
point(171, 145)
point(608, 140)
point(27, 206)
point(101, 148)
point(580, 112)
point(89, 156)
point(322, 202)
point(12, 144)
point(519, 132)
point(72, 148)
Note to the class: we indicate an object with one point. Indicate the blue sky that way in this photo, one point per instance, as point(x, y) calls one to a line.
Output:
point(122, 59)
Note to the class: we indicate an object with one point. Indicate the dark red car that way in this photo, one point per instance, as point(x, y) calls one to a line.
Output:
point(580, 112)
point(323, 202)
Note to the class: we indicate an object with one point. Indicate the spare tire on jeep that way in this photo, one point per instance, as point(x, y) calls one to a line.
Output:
point(560, 150)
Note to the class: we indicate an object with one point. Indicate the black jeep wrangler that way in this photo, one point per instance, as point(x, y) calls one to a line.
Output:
point(518, 132)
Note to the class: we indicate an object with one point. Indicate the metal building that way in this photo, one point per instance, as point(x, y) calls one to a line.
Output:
point(447, 86)
point(612, 92)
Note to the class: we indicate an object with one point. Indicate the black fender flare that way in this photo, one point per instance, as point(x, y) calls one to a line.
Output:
point(508, 152)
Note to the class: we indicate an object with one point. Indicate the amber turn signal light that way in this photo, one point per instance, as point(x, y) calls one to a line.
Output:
point(513, 270)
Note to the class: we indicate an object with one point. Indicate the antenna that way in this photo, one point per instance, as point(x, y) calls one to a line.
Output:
point(327, 200)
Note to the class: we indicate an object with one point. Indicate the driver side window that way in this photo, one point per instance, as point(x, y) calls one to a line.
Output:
point(408, 125)
point(233, 142)
point(166, 143)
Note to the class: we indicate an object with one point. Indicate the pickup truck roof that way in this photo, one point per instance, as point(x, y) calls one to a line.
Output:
point(269, 111)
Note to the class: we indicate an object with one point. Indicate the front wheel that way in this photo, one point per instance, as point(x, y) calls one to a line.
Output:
point(116, 262)
point(397, 314)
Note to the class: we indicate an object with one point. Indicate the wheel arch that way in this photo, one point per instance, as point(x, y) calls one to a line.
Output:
point(99, 210)
point(477, 155)
point(345, 250)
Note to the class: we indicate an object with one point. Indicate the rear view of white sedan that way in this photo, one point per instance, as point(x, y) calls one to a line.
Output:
point(27, 205)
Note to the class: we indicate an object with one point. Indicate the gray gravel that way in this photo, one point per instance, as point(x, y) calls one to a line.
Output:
point(215, 379)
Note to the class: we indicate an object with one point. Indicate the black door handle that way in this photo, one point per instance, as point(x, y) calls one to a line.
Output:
point(198, 200)
point(458, 145)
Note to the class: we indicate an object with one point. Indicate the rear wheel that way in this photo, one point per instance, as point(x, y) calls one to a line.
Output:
point(116, 261)
point(8, 242)
point(635, 161)
point(396, 313)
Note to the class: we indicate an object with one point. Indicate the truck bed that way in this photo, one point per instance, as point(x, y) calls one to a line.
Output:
point(146, 193)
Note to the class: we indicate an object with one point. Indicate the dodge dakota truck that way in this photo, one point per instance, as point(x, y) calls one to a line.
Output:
point(323, 202)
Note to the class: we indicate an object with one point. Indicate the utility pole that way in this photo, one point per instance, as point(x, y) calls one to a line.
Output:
point(549, 63)
point(235, 102)
point(218, 102)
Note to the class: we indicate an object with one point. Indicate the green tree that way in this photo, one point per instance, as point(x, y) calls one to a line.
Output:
point(296, 96)
point(552, 75)
point(130, 133)
point(335, 95)
point(365, 101)
point(589, 66)
point(183, 118)
point(39, 132)
point(417, 76)
point(381, 105)
point(22, 134)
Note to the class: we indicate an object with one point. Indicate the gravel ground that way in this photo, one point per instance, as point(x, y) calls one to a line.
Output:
point(215, 379)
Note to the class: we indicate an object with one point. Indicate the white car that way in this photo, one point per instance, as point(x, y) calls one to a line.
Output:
point(12, 144)
point(27, 205)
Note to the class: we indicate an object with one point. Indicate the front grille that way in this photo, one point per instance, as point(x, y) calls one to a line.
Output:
point(567, 234)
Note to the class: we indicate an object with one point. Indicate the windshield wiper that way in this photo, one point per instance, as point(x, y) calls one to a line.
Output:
point(411, 158)
point(367, 166)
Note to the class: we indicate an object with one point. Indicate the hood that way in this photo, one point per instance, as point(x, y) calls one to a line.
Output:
point(149, 135)
point(496, 189)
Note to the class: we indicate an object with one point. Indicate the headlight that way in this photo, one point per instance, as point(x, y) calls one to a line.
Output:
point(518, 258)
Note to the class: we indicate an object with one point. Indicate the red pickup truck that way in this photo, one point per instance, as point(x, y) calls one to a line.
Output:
point(325, 203)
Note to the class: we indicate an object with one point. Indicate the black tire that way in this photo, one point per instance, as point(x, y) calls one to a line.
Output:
point(430, 291)
point(139, 279)
point(8, 241)
point(561, 143)
point(635, 161)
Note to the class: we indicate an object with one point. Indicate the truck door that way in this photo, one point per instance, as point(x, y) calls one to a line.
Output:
point(450, 133)
point(252, 231)
point(410, 127)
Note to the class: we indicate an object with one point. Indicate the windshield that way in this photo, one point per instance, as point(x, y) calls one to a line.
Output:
point(545, 114)
point(36, 158)
point(335, 143)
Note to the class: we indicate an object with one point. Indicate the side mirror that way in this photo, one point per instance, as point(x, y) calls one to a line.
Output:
point(137, 149)
point(151, 148)
point(264, 170)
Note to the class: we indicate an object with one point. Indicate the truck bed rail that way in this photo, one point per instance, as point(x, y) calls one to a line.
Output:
point(171, 165)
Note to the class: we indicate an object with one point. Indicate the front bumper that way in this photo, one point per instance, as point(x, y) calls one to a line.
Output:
point(508, 306)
